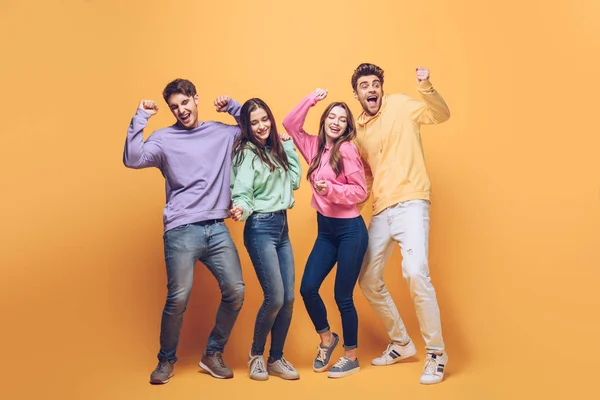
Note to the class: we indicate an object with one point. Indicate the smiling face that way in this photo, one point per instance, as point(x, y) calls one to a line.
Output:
point(335, 124)
point(260, 123)
point(369, 91)
point(185, 109)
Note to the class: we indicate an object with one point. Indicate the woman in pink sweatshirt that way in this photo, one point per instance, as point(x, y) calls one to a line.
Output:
point(338, 183)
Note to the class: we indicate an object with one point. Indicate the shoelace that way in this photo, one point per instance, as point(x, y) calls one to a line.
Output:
point(286, 364)
point(388, 350)
point(162, 366)
point(430, 366)
point(258, 365)
point(341, 362)
point(322, 354)
point(219, 358)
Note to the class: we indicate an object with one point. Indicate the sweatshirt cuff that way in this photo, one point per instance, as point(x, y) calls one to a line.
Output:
point(288, 144)
point(142, 113)
point(425, 86)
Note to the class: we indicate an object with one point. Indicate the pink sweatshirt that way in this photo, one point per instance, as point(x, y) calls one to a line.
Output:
point(343, 191)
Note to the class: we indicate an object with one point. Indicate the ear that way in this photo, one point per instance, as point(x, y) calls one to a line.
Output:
point(196, 99)
point(355, 94)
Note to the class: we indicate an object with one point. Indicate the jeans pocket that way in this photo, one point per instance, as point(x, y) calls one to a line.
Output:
point(264, 216)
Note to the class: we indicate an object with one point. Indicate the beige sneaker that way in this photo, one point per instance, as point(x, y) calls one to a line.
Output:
point(256, 365)
point(283, 369)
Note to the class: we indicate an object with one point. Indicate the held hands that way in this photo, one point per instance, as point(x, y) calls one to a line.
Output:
point(284, 137)
point(236, 213)
point(221, 103)
point(148, 106)
point(321, 187)
point(422, 74)
point(320, 94)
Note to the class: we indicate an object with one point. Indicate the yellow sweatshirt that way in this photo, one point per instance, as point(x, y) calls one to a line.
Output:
point(390, 144)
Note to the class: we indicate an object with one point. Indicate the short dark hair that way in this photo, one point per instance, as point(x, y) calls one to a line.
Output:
point(182, 86)
point(366, 69)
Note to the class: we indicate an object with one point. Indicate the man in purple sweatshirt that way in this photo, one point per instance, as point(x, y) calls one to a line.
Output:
point(195, 159)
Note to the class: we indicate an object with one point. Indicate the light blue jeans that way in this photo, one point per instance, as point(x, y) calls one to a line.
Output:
point(211, 243)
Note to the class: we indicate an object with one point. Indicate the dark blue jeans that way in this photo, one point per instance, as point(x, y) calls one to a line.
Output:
point(212, 245)
point(268, 244)
point(341, 240)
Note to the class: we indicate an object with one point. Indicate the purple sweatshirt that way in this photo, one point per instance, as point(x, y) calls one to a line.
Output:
point(196, 165)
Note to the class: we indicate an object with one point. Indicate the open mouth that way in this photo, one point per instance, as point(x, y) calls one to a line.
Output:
point(185, 118)
point(334, 129)
point(372, 101)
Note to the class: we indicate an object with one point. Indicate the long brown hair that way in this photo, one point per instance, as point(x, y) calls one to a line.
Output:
point(273, 141)
point(335, 158)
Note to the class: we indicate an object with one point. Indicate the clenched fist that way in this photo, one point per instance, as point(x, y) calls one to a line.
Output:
point(422, 74)
point(148, 106)
point(320, 94)
point(236, 213)
point(221, 103)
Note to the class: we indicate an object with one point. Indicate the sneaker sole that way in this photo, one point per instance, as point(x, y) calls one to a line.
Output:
point(259, 378)
point(395, 360)
point(204, 367)
point(322, 369)
point(282, 376)
point(159, 381)
point(430, 383)
point(343, 374)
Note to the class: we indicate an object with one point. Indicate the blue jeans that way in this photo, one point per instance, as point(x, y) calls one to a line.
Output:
point(341, 240)
point(212, 245)
point(268, 244)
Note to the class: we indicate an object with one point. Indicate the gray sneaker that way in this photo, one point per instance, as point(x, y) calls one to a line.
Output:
point(324, 354)
point(283, 369)
point(162, 373)
point(257, 370)
point(214, 365)
point(343, 367)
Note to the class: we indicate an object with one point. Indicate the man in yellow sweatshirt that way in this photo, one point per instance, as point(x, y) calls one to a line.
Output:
point(389, 140)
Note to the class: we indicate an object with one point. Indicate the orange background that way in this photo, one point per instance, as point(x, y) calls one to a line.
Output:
point(515, 173)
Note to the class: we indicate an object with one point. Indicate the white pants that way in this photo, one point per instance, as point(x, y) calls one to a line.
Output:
point(406, 223)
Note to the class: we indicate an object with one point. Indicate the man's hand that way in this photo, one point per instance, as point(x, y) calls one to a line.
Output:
point(221, 103)
point(284, 137)
point(422, 74)
point(148, 106)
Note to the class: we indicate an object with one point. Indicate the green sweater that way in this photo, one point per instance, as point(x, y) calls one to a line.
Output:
point(256, 189)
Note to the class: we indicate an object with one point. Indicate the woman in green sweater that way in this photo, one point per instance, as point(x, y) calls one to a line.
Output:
point(265, 172)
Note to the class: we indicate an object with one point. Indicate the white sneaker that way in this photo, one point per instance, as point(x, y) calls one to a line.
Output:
point(283, 369)
point(433, 370)
point(395, 353)
point(258, 372)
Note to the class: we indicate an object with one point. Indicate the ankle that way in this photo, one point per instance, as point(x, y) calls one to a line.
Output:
point(326, 339)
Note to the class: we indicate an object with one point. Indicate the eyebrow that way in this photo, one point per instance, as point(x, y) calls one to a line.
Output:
point(373, 81)
point(335, 115)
